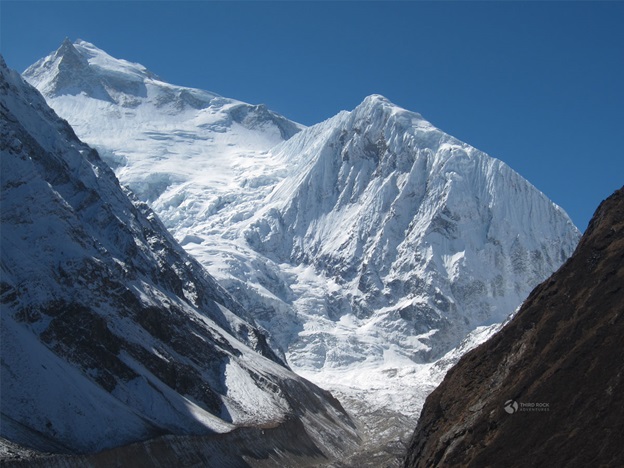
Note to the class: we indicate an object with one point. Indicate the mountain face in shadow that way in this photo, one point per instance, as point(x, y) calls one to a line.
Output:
point(110, 333)
point(548, 389)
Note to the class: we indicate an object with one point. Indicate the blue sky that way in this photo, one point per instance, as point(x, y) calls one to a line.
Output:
point(539, 85)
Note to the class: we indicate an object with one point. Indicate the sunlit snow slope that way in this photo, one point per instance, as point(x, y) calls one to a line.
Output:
point(169, 143)
point(111, 332)
point(369, 245)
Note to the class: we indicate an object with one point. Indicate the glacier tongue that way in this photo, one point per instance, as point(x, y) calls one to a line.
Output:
point(370, 244)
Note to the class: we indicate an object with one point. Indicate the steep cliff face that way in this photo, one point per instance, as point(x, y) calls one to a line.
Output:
point(424, 236)
point(548, 389)
point(111, 332)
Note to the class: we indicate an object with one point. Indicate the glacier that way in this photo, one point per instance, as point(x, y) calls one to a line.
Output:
point(372, 246)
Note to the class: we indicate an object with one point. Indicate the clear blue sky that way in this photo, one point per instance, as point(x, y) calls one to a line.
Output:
point(539, 85)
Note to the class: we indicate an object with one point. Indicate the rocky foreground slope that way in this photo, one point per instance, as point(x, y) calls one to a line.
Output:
point(111, 332)
point(548, 389)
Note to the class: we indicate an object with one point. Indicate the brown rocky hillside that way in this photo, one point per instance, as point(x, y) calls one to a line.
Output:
point(548, 389)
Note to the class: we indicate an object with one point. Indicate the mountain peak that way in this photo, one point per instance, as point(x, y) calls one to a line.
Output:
point(377, 98)
point(68, 54)
point(67, 43)
point(376, 101)
point(64, 71)
point(82, 68)
point(376, 104)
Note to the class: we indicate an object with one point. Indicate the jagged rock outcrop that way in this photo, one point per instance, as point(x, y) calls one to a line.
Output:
point(548, 389)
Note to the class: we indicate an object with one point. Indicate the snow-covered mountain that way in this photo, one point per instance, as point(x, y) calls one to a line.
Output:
point(163, 140)
point(424, 237)
point(111, 332)
point(369, 245)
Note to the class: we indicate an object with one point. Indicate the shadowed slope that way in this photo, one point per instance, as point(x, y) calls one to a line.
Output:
point(110, 333)
point(559, 361)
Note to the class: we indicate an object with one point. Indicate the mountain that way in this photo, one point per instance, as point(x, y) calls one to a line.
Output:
point(373, 245)
point(548, 388)
point(177, 136)
point(425, 237)
point(111, 332)
point(201, 161)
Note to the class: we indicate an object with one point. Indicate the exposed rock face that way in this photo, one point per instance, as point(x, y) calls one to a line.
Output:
point(110, 332)
point(548, 389)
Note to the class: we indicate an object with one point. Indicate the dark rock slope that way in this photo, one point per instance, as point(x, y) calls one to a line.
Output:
point(548, 389)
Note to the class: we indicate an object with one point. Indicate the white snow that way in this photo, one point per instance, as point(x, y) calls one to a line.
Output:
point(370, 245)
point(53, 394)
point(245, 401)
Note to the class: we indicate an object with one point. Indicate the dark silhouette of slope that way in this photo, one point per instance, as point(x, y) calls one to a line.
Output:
point(548, 389)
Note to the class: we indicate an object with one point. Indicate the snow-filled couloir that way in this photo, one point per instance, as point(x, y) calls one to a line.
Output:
point(369, 245)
